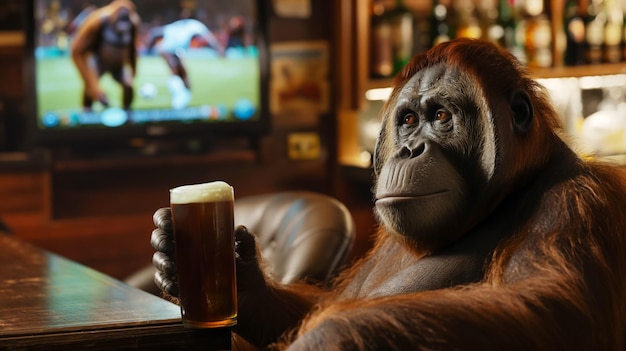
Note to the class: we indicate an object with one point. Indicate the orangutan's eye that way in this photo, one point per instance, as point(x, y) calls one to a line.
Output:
point(409, 119)
point(442, 115)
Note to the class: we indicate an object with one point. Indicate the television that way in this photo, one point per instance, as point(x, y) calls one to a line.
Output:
point(102, 71)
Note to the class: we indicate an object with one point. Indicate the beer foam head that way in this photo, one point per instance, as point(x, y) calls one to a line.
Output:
point(205, 192)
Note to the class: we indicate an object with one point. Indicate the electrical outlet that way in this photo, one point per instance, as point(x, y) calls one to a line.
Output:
point(303, 146)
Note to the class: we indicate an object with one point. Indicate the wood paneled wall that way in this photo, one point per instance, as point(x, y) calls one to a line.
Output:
point(98, 212)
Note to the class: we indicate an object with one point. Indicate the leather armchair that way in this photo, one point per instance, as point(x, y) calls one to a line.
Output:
point(302, 236)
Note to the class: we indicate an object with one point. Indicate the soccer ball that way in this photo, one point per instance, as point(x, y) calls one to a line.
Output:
point(148, 91)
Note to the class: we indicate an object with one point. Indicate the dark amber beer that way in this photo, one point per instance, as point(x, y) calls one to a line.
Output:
point(202, 216)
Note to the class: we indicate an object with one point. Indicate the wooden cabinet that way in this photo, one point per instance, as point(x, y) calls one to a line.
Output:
point(97, 210)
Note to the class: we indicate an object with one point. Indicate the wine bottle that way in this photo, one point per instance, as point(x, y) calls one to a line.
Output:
point(613, 29)
point(489, 24)
point(506, 20)
point(402, 23)
point(468, 24)
point(595, 19)
point(381, 47)
point(519, 49)
point(439, 24)
point(574, 28)
point(624, 30)
point(538, 38)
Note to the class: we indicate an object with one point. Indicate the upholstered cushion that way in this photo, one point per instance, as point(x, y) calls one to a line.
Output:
point(302, 235)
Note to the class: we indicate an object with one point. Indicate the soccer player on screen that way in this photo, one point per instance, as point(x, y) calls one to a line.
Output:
point(170, 41)
point(105, 42)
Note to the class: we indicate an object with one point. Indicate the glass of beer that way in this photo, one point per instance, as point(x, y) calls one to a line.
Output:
point(204, 236)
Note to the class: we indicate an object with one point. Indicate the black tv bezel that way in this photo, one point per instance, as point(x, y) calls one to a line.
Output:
point(37, 137)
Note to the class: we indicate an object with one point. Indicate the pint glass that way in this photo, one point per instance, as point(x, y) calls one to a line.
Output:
point(202, 217)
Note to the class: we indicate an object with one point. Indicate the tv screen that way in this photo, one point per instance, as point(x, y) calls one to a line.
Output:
point(105, 70)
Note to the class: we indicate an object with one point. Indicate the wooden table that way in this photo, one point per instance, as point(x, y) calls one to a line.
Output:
point(48, 302)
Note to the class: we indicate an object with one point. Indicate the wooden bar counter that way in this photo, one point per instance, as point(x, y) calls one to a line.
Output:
point(50, 303)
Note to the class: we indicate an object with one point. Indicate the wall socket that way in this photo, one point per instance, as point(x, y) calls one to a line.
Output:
point(303, 146)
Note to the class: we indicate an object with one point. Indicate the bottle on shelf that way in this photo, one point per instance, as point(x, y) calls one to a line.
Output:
point(468, 23)
point(439, 30)
point(538, 34)
point(520, 31)
point(613, 30)
point(574, 28)
point(488, 17)
point(402, 24)
point(381, 46)
point(508, 21)
point(623, 5)
point(595, 20)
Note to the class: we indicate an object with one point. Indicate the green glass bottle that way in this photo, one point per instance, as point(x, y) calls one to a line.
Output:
point(506, 20)
point(402, 26)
